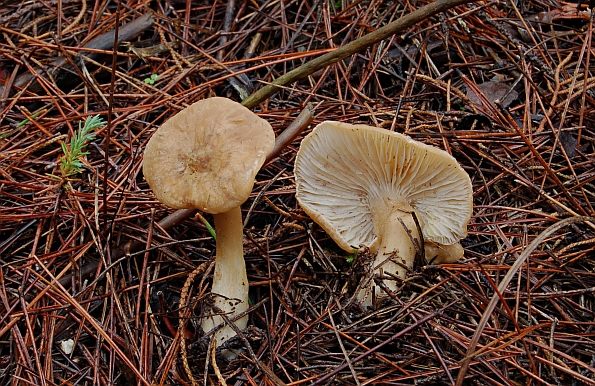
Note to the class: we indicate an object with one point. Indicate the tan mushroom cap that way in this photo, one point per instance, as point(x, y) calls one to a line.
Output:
point(348, 174)
point(207, 155)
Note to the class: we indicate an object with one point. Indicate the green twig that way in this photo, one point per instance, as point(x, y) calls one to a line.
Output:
point(33, 116)
point(207, 225)
point(349, 49)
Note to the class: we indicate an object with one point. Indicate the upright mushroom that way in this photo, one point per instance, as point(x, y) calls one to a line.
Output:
point(206, 157)
point(363, 184)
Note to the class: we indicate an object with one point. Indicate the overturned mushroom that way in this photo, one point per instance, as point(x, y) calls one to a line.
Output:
point(364, 185)
point(206, 157)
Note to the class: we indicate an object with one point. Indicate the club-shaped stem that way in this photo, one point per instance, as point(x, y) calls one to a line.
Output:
point(230, 283)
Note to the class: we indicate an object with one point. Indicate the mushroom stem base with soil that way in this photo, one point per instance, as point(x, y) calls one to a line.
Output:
point(230, 282)
point(395, 230)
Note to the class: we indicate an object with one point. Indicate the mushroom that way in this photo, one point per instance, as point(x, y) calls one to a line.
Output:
point(206, 157)
point(364, 185)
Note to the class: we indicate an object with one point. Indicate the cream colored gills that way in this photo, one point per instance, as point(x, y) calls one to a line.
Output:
point(361, 184)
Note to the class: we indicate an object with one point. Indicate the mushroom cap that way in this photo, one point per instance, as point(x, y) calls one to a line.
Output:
point(347, 174)
point(207, 155)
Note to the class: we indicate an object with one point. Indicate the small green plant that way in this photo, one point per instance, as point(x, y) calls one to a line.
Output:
point(152, 79)
point(70, 162)
point(351, 258)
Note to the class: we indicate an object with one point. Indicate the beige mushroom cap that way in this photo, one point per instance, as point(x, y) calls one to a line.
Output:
point(347, 174)
point(207, 155)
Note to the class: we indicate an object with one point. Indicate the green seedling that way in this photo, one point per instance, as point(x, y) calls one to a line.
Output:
point(152, 79)
point(351, 258)
point(70, 162)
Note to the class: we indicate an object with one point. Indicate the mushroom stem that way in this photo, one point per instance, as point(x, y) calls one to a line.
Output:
point(230, 283)
point(395, 231)
point(443, 254)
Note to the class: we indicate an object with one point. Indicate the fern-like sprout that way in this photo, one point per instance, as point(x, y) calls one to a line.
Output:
point(70, 162)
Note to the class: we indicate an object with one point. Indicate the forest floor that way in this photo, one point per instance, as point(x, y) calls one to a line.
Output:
point(93, 266)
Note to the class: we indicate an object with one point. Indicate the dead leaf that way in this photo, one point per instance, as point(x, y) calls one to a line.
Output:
point(568, 11)
point(494, 92)
point(568, 142)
